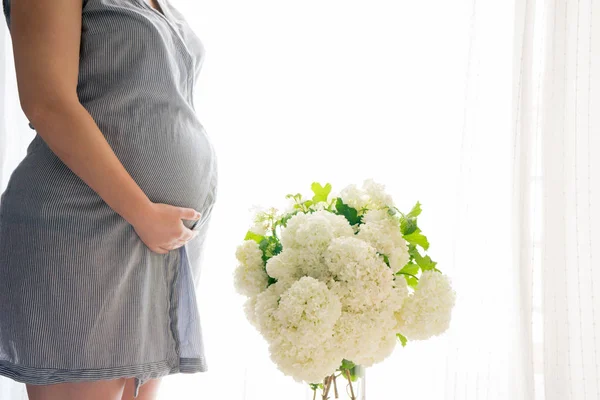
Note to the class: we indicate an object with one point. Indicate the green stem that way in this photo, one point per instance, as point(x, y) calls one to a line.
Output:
point(350, 384)
point(406, 273)
point(275, 223)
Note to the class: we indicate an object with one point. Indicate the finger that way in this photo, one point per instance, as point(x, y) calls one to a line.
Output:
point(176, 244)
point(189, 213)
point(188, 235)
point(180, 243)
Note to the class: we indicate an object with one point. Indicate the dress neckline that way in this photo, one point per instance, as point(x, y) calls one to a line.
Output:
point(162, 8)
point(166, 16)
point(161, 12)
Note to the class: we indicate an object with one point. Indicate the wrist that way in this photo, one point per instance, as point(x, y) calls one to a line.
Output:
point(140, 212)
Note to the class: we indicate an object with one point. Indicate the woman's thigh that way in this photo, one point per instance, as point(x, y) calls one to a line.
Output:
point(96, 390)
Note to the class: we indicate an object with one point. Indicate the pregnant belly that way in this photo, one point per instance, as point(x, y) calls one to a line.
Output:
point(179, 171)
point(162, 144)
point(176, 170)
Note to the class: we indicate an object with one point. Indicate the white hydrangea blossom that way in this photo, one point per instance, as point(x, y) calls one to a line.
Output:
point(399, 256)
point(293, 264)
point(313, 265)
point(345, 254)
point(335, 297)
point(284, 265)
point(313, 232)
point(400, 293)
point(354, 197)
point(308, 364)
point(307, 312)
point(382, 231)
point(265, 309)
point(249, 307)
point(250, 277)
point(358, 335)
point(378, 197)
point(290, 206)
point(384, 348)
point(249, 253)
point(260, 228)
point(363, 279)
point(372, 195)
point(427, 311)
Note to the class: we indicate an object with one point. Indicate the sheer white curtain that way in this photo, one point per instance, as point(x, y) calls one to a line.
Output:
point(562, 54)
point(480, 109)
point(557, 90)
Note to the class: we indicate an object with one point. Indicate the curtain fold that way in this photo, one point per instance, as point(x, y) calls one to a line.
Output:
point(559, 67)
point(521, 377)
point(489, 350)
point(570, 143)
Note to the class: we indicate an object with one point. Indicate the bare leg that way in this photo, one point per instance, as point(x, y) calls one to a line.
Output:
point(148, 391)
point(95, 390)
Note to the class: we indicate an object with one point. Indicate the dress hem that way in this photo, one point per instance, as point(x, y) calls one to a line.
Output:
point(48, 376)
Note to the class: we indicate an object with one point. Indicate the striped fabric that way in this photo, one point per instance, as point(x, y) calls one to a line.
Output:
point(81, 296)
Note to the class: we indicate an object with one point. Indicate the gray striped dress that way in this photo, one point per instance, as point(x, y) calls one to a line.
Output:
point(82, 298)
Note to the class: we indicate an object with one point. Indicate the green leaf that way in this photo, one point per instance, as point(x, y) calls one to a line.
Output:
point(411, 281)
point(321, 193)
point(253, 236)
point(270, 247)
point(412, 250)
point(297, 196)
point(264, 244)
point(426, 263)
point(408, 225)
point(410, 268)
point(416, 210)
point(350, 213)
point(347, 364)
point(417, 238)
point(403, 340)
point(283, 221)
point(315, 386)
point(271, 281)
point(385, 259)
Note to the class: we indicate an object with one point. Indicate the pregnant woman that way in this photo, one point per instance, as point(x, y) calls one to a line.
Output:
point(102, 223)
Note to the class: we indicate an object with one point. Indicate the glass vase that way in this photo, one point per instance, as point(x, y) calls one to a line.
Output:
point(346, 384)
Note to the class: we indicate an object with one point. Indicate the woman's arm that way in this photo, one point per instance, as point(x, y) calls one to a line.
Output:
point(46, 36)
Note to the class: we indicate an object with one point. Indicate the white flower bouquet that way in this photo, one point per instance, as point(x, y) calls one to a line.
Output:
point(333, 283)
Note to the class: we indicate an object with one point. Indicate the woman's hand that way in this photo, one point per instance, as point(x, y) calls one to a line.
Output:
point(162, 228)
